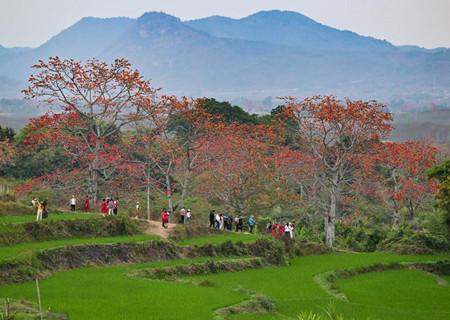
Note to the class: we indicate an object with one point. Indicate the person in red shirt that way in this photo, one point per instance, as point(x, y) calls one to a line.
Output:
point(87, 204)
point(164, 218)
point(281, 229)
point(104, 208)
point(274, 230)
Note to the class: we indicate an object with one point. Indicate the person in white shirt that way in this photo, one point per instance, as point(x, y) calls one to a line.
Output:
point(188, 215)
point(137, 210)
point(73, 203)
point(217, 221)
point(182, 215)
point(221, 221)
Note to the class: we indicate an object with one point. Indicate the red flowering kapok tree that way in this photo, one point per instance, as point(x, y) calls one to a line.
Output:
point(237, 167)
point(401, 168)
point(338, 135)
point(92, 102)
point(190, 126)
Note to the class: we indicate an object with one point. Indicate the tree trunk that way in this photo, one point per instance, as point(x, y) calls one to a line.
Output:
point(169, 194)
point(187, 175)
point(183, 191)
point(148, 199)
point(395, 216)
point(94, 174)
point(93, 185)
point(148, 173)
point(330, 219)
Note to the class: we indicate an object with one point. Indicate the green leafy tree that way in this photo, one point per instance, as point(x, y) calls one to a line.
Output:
point(442, 174)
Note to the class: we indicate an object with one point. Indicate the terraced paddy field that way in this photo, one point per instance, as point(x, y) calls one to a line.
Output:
point(145, 291)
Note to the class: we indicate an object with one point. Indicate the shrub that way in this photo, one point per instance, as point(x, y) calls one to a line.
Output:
point(62, 229)
point(15, 208)
point(408, 241)
point(208, 267)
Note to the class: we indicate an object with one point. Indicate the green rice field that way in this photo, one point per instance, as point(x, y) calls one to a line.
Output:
point(110, 292)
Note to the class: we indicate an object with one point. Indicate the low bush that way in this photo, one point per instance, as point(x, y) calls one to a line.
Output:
point(408, 241)
point(15, 208)
point(441, 268)
point(183, 232)
point(296, 247)
point(63, 229)
point(208, 267)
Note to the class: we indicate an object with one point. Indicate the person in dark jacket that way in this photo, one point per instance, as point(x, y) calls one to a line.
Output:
point(239, 224)
point(212, 217)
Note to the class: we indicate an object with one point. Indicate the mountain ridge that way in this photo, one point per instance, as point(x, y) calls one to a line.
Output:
point(269, 53)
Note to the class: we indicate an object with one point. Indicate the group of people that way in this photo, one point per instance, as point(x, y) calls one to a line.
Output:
point(280, 230)
point(219, 221)
point(185, 216)
point(109, 207)
point(226, 221)
point(41, 208)
point(86, 207)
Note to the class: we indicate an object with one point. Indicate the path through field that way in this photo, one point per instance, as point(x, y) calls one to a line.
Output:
point(155, 228)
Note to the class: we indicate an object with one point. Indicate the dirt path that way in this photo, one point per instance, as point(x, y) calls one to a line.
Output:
point(154, 227)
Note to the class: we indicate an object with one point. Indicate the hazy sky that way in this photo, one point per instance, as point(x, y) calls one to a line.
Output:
point(421, 22)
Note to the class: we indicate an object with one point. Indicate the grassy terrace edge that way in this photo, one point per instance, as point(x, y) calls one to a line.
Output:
point(327, 281)
point(46, 262)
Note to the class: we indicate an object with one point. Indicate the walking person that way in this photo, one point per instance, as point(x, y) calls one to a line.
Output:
point(104, 208)
point(287, 230)
point(274, 230)
point(87, 204)
point(188, 216)
point(217, 217)
point(225, 221)
point(110, 205)
point(240, 223)
point(221, 222)
point(44, 209)
point(269, 227)
point(34, 202)
point(251, 223)
point(164, 218)
point(40, 210)
point(116, 207)
point(137, 210)
point(230, 222)
point(182, 215)
point(212, 217)
point(281, 230)
point(73, 202)
point(291, 230)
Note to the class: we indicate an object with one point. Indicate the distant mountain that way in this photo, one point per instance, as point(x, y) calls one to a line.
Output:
point(87, 38)
point(290, 29)
point(14, 50)
point(267, 54)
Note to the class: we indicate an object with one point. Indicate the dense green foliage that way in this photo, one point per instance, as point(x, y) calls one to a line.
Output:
point(442, 173)
point(6, 134)
point(229, 112)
